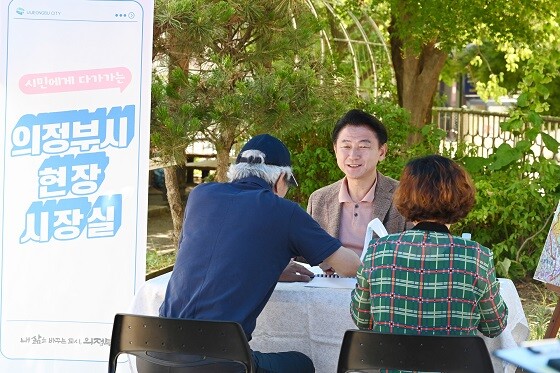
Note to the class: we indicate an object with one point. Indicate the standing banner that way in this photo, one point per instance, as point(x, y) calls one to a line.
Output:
point(75, 103)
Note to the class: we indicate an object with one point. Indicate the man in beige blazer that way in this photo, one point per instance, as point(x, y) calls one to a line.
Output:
point(345, 207)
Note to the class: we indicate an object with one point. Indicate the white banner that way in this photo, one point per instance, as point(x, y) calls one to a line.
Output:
point(75, 103)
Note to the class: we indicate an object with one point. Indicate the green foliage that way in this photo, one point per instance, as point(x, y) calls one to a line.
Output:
point(517, 191)
point(499, 64)
point(315, 168)
point(168, 135)
point(239, 68)
point(516, 197)
point(454, 24)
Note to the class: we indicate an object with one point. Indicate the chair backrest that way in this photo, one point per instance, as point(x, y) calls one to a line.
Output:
point(149, 338)
point(367, 350)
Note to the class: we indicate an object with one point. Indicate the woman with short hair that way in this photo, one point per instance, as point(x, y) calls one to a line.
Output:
point(426, 280)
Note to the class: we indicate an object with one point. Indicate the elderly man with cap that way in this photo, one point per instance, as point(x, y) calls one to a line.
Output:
point(238, 238)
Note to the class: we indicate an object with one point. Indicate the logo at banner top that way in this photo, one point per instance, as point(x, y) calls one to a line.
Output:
point(20, 11)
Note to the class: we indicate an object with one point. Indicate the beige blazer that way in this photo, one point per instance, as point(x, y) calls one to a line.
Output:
point(324, 207)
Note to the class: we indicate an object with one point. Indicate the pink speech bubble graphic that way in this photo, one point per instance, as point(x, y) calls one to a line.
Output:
point(81, 80)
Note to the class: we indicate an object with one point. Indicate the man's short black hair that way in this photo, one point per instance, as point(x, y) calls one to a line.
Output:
point(356, 117)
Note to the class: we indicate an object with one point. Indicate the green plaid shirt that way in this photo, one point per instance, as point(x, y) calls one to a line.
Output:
point(428, 282)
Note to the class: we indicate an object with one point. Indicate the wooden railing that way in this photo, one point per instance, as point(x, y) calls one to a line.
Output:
point(159, 272)
point(482, 129)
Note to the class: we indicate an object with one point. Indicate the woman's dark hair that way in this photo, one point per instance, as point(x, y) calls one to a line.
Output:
point(434, 188)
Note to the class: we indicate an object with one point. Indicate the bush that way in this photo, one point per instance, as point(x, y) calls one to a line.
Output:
point(513, 211)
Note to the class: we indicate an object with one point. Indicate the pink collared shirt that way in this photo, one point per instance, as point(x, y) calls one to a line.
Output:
point(354, 217)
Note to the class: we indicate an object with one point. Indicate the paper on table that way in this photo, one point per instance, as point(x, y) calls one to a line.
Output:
point(322, 280)
point(373, 226)
point(331, 281)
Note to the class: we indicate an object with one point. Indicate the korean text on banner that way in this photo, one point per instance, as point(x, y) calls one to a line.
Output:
point(75, 93)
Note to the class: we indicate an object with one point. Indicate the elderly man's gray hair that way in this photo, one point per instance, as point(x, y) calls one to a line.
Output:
point(254, 165)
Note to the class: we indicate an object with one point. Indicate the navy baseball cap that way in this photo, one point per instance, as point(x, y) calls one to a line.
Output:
point(274, 150)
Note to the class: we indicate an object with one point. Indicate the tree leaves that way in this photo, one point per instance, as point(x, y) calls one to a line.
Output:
point(550, 142)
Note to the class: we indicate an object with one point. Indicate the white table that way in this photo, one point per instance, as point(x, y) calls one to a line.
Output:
point(313, 320)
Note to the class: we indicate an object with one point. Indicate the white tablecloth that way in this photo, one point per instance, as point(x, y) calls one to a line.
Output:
point(313, 320)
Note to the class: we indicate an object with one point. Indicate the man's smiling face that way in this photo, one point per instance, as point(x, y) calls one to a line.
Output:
point(358, 152)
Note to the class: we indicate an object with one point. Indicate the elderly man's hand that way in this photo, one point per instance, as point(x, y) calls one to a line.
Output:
point(295, 272)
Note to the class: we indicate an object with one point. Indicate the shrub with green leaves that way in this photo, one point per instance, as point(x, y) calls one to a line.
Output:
point(514, 206)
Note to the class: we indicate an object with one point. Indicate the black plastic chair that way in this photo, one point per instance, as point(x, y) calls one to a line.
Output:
point(364, 350)
point(180, 345)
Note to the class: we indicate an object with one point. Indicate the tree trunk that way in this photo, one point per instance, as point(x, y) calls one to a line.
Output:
point(223, 148)
point(417, 75)
point(222, 156)
point(174, 197)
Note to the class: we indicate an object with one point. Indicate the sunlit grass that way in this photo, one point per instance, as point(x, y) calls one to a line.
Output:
point(157, 260)
point(538, 303)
